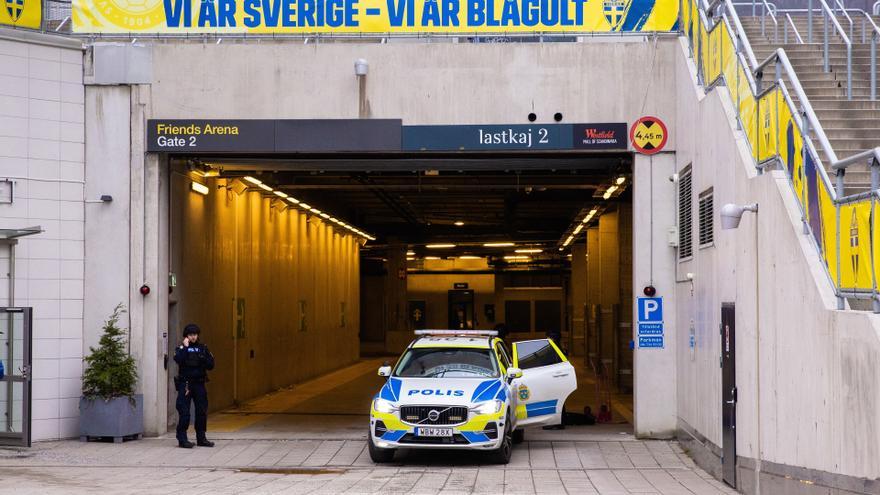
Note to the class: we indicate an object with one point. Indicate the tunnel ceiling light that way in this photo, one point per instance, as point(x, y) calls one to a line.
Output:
point(410, 253)
point(410, 258)
point(432, 257)
point(516, 258)
point(439, 246)
point(578, 229)
point(609, 191)
point(530, 250)
point(620, 180)
point(470, 257)
point(200, 188)
point(459, 223)
point(498, 244)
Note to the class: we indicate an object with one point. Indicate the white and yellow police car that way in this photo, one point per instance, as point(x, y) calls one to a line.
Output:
point(457, 389)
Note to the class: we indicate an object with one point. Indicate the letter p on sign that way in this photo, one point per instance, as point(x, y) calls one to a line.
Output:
point(650, 309)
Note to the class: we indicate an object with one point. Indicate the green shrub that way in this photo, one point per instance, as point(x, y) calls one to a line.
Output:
point(111, 371)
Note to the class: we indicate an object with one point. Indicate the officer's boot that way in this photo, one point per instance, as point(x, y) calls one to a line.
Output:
point(186, 444)
point(204, 442)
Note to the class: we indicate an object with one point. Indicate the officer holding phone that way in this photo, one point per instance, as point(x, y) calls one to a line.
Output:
point(194, 360)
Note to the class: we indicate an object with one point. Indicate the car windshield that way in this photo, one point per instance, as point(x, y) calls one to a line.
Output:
point(447, 363)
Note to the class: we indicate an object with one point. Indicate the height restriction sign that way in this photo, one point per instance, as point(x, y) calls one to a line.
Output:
point(648, 135)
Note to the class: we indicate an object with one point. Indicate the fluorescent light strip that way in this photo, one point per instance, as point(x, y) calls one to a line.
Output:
point(528, 250)
point(578, 229)
point(292, 200)
point(469, 257)
point(439, 246)
point(516, 258)
point(200, 188)
point(498, 244)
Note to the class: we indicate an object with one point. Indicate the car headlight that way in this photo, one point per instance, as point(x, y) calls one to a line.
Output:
point(488, 407)
point(383, 406)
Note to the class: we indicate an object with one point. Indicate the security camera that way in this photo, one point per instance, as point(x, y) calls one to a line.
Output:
point(673, 178)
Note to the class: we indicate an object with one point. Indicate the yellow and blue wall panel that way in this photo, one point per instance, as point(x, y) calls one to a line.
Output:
point(464, 17)
point(21, 13)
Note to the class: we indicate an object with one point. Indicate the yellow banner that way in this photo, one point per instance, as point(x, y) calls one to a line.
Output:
point(372, 16)
point(21, 13)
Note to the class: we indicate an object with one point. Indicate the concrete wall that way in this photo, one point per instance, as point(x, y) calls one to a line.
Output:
point(434, 290)
point(41, 150)
point(806, 373)
point(609, 284)
point(422, 83)
point(230, 246)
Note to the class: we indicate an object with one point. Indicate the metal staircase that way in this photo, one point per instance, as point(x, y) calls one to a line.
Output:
point(852, 125)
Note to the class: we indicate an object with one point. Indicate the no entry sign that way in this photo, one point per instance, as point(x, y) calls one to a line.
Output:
point(648, 135)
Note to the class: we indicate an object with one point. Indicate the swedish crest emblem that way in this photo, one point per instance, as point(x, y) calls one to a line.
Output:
point(15, 8)
point(524, 392)
point(615, 12)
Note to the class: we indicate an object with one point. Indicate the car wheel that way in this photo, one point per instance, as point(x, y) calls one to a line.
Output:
point(519, 436)
point(501, 455)
point(378, 454)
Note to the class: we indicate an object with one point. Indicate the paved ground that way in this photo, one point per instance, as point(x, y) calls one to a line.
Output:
point(310, 439)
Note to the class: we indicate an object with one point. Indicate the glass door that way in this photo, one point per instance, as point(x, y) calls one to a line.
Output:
point(15, 383)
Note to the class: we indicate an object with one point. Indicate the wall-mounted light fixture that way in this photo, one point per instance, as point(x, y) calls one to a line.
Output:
point(439, 246)
point(199, 188)
point(731, 214)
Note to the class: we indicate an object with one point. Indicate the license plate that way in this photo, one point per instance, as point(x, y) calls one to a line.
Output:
point(433, 432)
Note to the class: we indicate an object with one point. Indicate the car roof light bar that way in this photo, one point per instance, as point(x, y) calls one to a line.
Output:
point(463, 333)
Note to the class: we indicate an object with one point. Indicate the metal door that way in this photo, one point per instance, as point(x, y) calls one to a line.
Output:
point(728, 394)
point(461, 310)
point(15, 386)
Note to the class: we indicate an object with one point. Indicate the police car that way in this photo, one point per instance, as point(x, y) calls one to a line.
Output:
point(455, 389)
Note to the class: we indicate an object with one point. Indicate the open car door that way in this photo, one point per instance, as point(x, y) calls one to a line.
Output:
point(547, 380)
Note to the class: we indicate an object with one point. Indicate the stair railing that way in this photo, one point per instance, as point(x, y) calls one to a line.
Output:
point(832, 19)
point(875, 38)
point(765, 11)
point(797, 34)
point(778, 133)
point(842, 8)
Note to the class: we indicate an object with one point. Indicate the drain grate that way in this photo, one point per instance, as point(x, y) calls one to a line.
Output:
point(313, 471)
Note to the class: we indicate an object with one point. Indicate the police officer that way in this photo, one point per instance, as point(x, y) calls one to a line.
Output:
point(193, 361)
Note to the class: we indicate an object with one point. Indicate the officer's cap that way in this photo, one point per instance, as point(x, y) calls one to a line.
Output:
point(190, 329)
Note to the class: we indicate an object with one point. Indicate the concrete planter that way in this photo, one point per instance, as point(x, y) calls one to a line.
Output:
point(116, 418)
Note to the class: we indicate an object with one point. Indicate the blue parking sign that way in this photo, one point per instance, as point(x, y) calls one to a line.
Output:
point(650, 309)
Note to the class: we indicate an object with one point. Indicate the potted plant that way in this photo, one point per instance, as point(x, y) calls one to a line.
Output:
point(109, 407)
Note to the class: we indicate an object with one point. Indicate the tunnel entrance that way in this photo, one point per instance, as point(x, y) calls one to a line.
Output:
point(298, 267)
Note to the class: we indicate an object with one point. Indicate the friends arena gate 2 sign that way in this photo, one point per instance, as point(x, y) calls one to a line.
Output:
point(225, 17)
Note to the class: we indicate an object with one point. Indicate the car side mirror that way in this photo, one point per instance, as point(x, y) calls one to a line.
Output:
point(513, 374)
point(385, 371)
